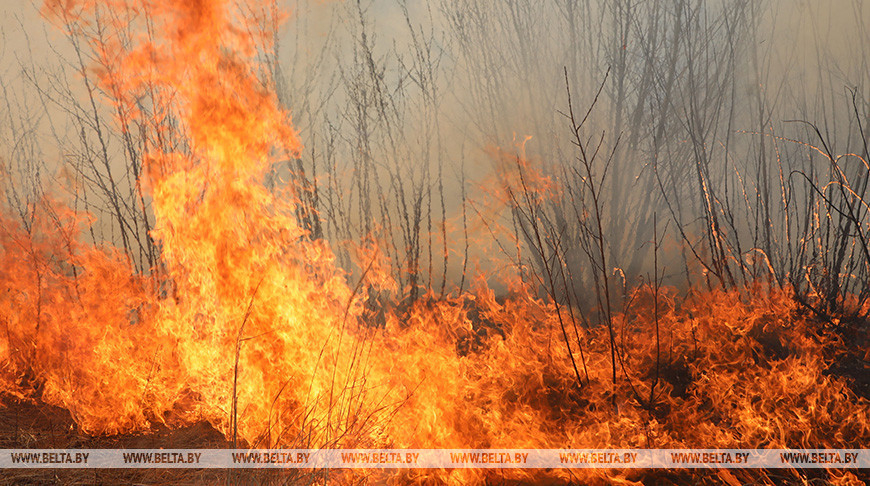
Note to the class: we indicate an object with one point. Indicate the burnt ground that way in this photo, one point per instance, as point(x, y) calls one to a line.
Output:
point(29, 424)
point(854, 363)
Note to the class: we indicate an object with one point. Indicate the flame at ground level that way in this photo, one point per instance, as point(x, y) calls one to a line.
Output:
point(736, 369)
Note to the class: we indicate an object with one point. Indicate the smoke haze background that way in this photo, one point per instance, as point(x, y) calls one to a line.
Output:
point(410, 112)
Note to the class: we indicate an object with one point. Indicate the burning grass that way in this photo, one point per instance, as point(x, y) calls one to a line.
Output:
point(732, 369)
point(247, 329)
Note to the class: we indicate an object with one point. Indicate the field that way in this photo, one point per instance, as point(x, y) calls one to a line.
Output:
point(448, 225)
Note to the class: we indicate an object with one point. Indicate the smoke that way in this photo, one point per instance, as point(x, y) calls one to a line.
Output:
point(400, 103)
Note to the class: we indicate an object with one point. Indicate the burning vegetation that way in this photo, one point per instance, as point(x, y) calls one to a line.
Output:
point(232, 294)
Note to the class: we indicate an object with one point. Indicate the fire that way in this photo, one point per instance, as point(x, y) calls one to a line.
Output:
point(251, 326)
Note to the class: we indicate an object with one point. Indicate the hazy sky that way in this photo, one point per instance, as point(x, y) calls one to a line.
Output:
point(813, 50)
point(797, 33)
